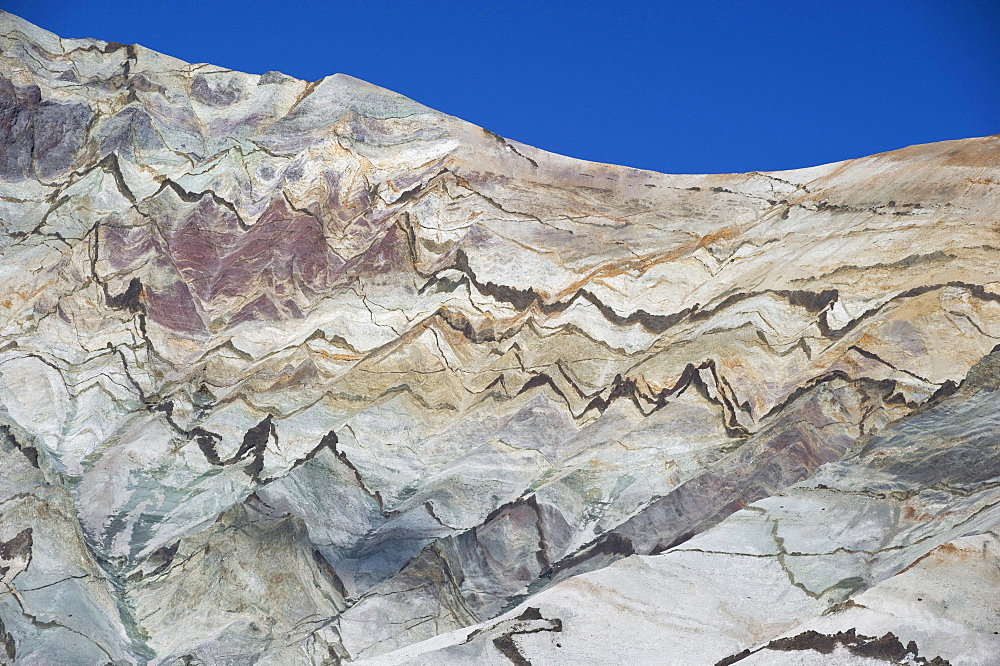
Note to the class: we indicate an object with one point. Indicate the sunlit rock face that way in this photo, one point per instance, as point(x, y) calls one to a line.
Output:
point(308, 373)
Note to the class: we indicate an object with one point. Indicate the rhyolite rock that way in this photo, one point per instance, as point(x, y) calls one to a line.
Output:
point(309, 373)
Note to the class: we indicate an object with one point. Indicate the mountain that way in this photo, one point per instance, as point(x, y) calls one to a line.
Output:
point(309, 373)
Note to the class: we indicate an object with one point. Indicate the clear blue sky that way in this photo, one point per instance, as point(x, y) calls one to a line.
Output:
point(671, 86)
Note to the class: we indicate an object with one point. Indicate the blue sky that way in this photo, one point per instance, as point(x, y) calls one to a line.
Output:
point(678, 87)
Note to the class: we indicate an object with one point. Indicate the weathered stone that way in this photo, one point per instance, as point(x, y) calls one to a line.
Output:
point(309, 373)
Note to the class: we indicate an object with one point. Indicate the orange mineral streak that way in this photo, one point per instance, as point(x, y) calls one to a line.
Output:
point(945, 554)
point(636, 266)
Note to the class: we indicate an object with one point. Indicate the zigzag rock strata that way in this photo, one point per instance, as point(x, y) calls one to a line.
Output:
point(309, 373)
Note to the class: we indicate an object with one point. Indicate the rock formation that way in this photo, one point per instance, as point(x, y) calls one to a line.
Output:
point(309, 373)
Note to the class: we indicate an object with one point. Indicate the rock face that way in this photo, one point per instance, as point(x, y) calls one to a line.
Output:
point(308, 373)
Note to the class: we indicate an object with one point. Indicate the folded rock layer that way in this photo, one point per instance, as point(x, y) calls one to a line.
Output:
point(309, 373)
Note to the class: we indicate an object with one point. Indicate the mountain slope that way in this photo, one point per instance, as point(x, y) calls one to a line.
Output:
point(308, 372)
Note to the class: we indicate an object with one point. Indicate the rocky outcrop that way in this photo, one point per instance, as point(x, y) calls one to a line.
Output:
point(310, 373)
point(890, 556)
